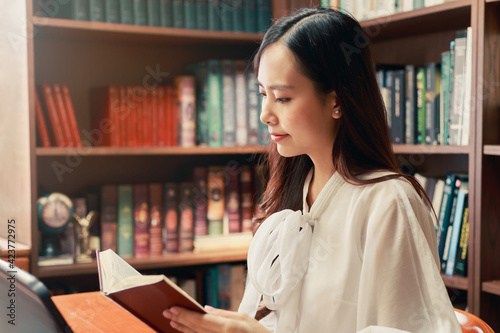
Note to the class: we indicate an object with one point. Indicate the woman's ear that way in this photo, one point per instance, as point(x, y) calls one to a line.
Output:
point(334, 104)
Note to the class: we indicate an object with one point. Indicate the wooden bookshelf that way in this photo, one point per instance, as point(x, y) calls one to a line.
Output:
point(430, 149)
point(456, 282)
point(492, 287)
point(159, 262)
point(493, 150)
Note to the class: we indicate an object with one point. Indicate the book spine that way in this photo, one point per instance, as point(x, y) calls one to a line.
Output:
point(96, 10)
point(80, 10)
point(228, 104)
point(411, 104)
point(237, 284)
point(233, 199)
point(109, 197)
point(250, 15)
point(466, 109)
point(226, 15)
point(75, 132)
point(53, 115)
point(160, 125)
point(166, 19)
point(241, 102)
point(399, 107)
point(215, 204)
point(455, 231)
point(421, 82)
point(201, 14)
point(186, 217)
point(147, 119)
point(264, 17)
point(224, 286)
point(186, 96)
point(155, 213)
point(444, 109)
point(200, 200)
point(456, 114)
point(238, 17)
point(141, 220)
point(122, 116)
point(126, 11)
point(140, 12)
point(446, 236)
point(253, 108)
point(174, 116)
point(41, 123)
point(154, 120)
point(214, 102)
point(210, 287)
point(125, 241)
point(214, 15)
point(63, 115)
point(247, 190)
point(178, 13)
point(461, 260)
point(202, 117)
point(171, 218)
point(153, 8)
point(132, 111)
point(189, 14)
point(112, 11)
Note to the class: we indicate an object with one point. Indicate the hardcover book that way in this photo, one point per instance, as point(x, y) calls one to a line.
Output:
point(171, 217)
point(141, 220)
point(144, 296)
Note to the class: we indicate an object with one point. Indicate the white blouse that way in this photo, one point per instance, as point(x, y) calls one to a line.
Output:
point(362, 258)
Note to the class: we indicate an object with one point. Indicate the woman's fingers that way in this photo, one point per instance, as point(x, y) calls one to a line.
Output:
point(194, 321)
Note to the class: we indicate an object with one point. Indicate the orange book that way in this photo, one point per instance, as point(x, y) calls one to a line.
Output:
point(153, 97)
point(53, 115)
point(174, 117)
point(168, 116)
point(71, 116)
point(40, 123)
point(63, 114)
point(131, 106)
point(105, 105)
point(123, 116)
point(160, 125)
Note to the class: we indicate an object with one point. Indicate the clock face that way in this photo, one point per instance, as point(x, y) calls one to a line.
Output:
point(56, 213)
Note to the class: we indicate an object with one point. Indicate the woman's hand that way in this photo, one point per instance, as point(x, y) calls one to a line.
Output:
point(215, 321)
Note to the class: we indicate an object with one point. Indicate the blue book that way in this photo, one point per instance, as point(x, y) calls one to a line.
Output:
point(456, 227)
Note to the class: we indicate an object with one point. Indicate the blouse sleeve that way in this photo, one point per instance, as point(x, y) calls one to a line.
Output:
point(400, 285)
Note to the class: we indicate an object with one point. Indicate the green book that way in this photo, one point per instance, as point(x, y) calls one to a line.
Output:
point(418, 4)
point(96, 10)
point(80, 10)
point(445, 96)
point(189, 14)
point(214, 15)
point(199, 70)
point(201, 14)
point(238, 17)
point(420, 105)
point(214, 103)
point(56, 10)
point(264, 17)
point(249, 15)
point(153, 13)
point(166, 13)
point(226, 15)
point(125, 246)
point(112, 11)
point(126, 12)
point(178, 13)
point(140, 12)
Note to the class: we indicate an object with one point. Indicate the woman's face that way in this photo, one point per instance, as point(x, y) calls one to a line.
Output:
point(298, 120)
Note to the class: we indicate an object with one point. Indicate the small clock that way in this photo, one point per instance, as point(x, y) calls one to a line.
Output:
point(55, 211)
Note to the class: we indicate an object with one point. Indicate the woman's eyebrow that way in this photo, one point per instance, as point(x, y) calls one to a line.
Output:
point(278, 86)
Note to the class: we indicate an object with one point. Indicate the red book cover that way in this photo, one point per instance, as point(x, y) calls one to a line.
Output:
point(53, 115)
point(155, 228)
point(105, 104)
point(131, 119)
point(186, 217)
point(246, 198)
point(153, 97)
point(174, 117)
point(171, 217)
point(146, 119)
point(123, 116)
point(63, 114)
point(75, 132)
point(40, 123)
point(233, 199)
point(138, 106)
point(141, 220)
point(109, 224)
point(160, 125)
point(168, 116)
point(200, 200)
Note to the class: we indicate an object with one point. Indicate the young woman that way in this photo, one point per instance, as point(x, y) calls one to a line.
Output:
point(348, 242)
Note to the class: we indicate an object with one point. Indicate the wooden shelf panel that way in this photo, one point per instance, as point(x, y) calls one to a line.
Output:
point(100, 31)
point(492, 150)
point(142, 151)
point(452, 15)
point(167, 261)
point(456, 282)
point(430, 149)
point(492, 287)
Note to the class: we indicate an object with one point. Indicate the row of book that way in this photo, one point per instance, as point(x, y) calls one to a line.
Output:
point(370, 9)
point(224, 285)
point(450, 201)
point(225, 15)
point(152, 219)
point(431, 104)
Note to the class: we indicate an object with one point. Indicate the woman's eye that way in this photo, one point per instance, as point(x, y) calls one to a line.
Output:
point(262, 94)
point(282, 100)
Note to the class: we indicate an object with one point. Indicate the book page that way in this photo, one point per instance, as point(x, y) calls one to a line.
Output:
point(113, 270)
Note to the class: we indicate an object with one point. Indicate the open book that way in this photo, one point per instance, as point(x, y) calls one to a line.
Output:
point(145, 296)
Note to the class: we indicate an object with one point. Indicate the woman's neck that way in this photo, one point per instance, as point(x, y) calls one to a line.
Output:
point(321, 175)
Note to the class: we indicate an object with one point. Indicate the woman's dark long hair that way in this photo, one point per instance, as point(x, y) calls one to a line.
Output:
point(331, 49)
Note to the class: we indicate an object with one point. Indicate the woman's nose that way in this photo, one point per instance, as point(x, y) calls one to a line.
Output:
point(266, 114)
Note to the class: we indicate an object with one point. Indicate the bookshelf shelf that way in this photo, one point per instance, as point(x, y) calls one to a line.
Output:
point(167, 261)
point(492, 150)
point(492, 287)
point(430, 149)
point(54, 28)
point(456, 282)
point(142, 151)
point(451, 15)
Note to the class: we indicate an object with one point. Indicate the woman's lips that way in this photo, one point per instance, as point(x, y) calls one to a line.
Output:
point(277, 137)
